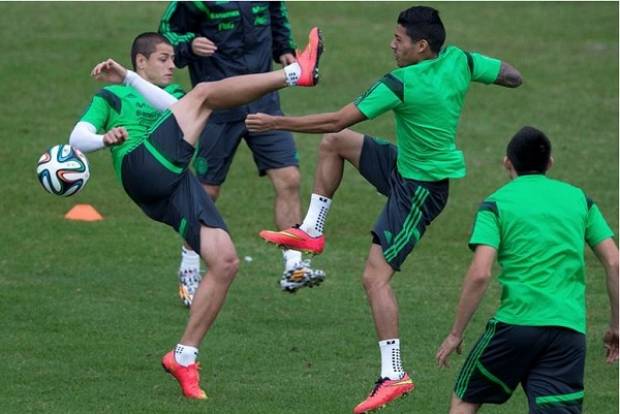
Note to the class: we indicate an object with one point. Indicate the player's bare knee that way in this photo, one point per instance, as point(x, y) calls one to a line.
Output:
point(203, 93)
point(287, 181)
point(226, 267)
point(371, 282)
point(330, 143)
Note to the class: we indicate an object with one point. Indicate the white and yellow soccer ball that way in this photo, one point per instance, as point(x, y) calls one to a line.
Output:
point(63, 170)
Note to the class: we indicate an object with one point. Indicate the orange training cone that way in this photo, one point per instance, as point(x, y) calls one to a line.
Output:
point(83, 212)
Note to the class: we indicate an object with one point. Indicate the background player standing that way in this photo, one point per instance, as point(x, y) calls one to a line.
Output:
point(216, 40)
point(536, 227)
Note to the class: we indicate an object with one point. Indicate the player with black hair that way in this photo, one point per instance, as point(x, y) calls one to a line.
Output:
point(536, 227)
point(426, 94)
point(153, 137)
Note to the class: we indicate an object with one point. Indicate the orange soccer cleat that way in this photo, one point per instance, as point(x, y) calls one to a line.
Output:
point(296, 239)
point(384, 392)
point(309, 59)
point(188, 377)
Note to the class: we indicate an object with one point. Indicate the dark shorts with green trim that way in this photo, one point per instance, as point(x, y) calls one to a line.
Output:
point(219, 142)
point(547, 361)
point(156, 177)
point(411, 205)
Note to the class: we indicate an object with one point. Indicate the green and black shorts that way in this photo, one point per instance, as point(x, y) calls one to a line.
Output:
point(411, 205)
point(156, 177)
point(548, 362)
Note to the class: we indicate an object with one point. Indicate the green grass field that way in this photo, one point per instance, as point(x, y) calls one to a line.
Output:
point(87, 309)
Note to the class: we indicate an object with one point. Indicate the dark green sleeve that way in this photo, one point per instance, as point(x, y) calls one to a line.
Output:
point(280, 30)
point(486, 228)
point(97, 112)
point(387, 93)
point(180, 25)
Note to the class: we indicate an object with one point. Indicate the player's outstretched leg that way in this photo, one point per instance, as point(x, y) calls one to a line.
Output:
point(334, 150)
point(193, 110)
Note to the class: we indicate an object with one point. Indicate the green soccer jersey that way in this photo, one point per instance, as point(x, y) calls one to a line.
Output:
point(123, 106)
point(427, 99)
point(539, 226)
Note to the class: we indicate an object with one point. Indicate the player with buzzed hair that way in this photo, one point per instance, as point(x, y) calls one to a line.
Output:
point(153, 137)
point(426, 93)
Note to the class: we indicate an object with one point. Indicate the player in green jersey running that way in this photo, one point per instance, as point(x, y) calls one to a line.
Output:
point(152, 154)
point(536, 227)
point(426, 94)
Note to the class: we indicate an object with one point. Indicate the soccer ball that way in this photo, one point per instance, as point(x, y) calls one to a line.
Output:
point(63, 170)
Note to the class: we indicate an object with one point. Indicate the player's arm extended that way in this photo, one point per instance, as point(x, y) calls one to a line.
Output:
point(607, 253)
point(508, 76)
point(112, 72)
point(316, 123)
point(474, 286)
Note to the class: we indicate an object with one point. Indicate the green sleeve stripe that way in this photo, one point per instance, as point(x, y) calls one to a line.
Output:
point(284, 13)
point(183, 227)
point(493, 378)
point(112, 100)
point(395, 85)
point(470, 63)
point(201, 7)
point(559, 399)
point(489, 206)
point(166, 31)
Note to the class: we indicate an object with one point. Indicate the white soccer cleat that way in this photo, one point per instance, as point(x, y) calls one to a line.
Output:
point(189, 279)
point(301, 275)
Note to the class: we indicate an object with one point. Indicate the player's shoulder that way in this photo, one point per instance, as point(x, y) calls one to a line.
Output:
point(113, 95)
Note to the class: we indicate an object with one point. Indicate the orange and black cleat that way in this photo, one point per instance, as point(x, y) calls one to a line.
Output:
point(309, 59)
point(384, 392)
point(296, 239)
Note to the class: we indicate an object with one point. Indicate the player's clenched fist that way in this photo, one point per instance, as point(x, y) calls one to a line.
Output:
point(115, 136)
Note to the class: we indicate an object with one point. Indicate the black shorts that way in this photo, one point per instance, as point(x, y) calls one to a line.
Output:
point(547, 361)
point(156, 177)
point(411, 205)
point(219, 142)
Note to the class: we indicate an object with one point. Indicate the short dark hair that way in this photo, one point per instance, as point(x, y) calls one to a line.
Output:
point(529, 151)
point(423, 22)
point(145, 44)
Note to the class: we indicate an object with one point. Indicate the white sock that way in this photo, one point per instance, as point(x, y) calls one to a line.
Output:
point(189, 259)
point(293, 73)
point(291, 258)
point(185, 355)
point(391, 366)
point(317, 213)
